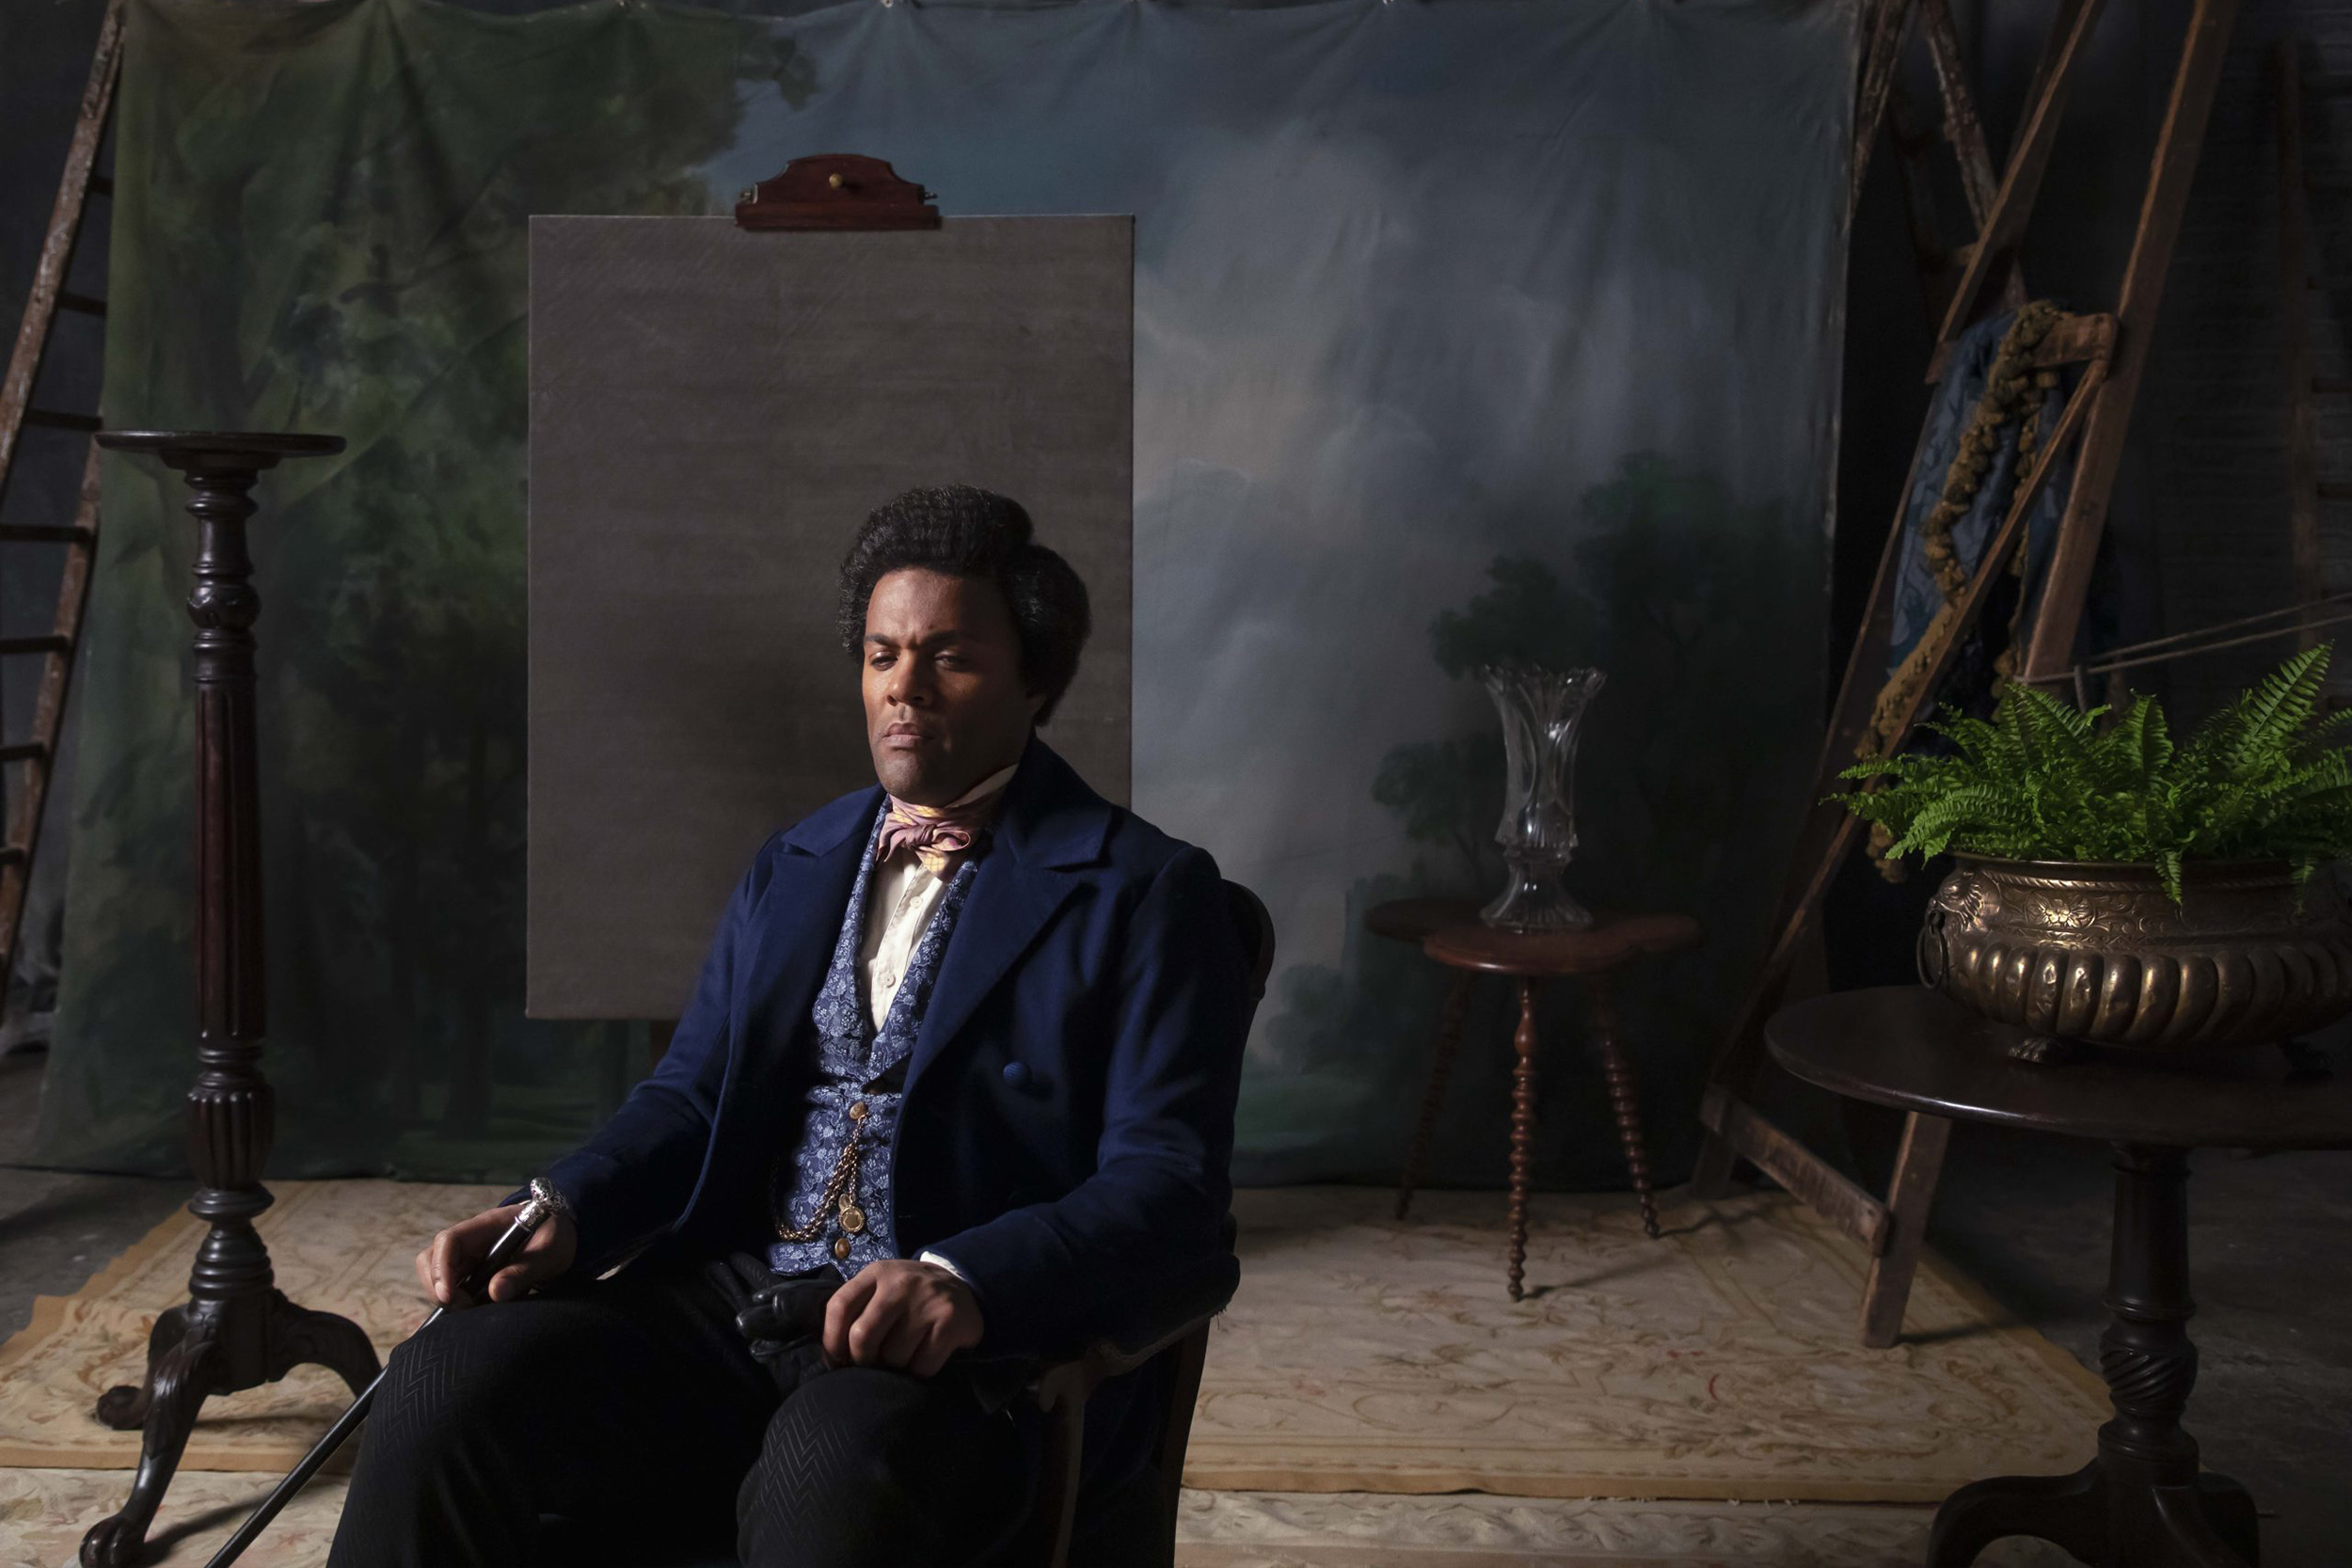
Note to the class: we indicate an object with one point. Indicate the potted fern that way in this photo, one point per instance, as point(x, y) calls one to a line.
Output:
point(2115, 887)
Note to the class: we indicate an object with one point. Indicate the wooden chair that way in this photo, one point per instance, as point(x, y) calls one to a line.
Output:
point(1178, 1330)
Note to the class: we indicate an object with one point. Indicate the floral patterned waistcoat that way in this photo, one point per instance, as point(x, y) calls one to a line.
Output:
point(860, 1085)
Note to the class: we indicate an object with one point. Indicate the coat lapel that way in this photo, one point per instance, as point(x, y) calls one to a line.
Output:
point(1010, 904)
point(1050, 824)
point(808, 894)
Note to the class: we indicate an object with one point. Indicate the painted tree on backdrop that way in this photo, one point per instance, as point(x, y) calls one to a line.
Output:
point(1694, 604)
point(377, 286)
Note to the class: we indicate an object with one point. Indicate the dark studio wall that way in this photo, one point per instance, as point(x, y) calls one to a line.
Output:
point(2215, 441)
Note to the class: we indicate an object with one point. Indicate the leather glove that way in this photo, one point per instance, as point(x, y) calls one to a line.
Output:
point(786, 1310)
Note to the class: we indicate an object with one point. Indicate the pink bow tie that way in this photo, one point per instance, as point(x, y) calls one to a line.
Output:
point(936, 834)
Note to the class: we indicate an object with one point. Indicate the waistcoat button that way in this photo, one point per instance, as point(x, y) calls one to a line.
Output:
point(1017, 1074)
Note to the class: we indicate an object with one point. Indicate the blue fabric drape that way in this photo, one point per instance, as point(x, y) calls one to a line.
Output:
point(1917, 595)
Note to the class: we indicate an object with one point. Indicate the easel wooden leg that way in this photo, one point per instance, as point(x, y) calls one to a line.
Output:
point(1522, 1132)
point(1710, 1178)
point(1918, 1161)
point(1735, 1071)
point(1457, 999)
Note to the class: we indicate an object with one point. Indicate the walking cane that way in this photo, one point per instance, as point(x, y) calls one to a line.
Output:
point(477, 1285)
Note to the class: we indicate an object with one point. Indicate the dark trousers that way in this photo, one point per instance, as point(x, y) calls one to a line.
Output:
point(625, 1422)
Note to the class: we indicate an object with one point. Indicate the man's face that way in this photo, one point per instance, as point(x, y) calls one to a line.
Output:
point(945, 703)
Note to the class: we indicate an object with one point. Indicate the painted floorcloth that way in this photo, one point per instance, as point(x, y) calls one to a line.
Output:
point(1362, 1353)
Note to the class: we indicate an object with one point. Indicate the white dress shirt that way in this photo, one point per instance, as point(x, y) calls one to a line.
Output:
point(899, 898)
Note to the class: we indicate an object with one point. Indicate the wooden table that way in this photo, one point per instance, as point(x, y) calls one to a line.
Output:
point(2143, 1501)
point(1450, 931)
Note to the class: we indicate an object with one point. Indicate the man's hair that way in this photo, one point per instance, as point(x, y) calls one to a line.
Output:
point(963, 531)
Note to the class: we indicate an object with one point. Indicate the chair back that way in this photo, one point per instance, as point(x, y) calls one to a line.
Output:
point(1257, 937)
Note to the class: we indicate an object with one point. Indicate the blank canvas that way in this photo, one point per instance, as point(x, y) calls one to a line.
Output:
point(712, 413)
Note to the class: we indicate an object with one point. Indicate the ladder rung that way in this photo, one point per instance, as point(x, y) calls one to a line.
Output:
point(43, 533)
point(2330, 386)
point(50, 643)
point(58, 420)
point(11, 854)
point(87, 305)
point(101, 184)
point(24, 750)
point(2335, 490)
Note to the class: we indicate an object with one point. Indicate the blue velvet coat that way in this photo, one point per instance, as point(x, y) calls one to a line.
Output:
point(1069, 1111)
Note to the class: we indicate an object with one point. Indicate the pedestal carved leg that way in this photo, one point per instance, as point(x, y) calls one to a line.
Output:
point(2068, 1511)
point(1457, 1000)
point(2228, 1509)
point(300, 1337)
point(1522, 1133)
point(124, 1406)
point(2150, 1367)
point(175, 1386)
point(1618, 1070)
point(2145, 1354)
point(2142, 1503)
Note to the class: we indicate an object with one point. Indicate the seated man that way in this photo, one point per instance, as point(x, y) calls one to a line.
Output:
point(970, 1041)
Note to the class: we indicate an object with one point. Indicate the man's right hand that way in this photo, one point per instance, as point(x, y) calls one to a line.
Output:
point(450, 1257)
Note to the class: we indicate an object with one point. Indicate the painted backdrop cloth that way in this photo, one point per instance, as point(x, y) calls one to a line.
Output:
point(1465, 329)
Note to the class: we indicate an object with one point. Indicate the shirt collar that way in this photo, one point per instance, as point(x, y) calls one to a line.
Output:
point(986, 787)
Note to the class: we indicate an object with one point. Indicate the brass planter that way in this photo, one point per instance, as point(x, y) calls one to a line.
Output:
point(2073, 951)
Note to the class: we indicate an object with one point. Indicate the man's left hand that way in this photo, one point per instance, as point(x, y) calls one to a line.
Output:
point(895, 1312)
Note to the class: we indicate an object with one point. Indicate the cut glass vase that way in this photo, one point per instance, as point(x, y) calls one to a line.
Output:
point(1543, 714)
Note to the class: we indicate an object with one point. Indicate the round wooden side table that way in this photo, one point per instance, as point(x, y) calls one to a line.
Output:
point(2143, 1502)
point(1450, 931)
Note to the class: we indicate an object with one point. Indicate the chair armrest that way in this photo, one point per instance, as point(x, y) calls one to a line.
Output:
point(1077, 1377)
point(1174, 1321)
point(1169, 1318)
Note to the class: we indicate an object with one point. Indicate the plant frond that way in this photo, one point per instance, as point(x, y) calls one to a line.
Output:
point(2038, 779)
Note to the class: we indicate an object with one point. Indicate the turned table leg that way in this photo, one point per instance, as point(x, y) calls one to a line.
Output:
point(2141, 1503)
point(1457, 999)
point(1618, 1070)
point(1522, 1132)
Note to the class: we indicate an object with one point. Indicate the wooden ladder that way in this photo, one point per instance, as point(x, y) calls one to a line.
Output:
point(1880, 103)
point(37, 752)
point(2111, 350)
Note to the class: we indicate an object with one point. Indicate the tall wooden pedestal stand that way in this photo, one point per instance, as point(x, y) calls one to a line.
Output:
point(237, 1330)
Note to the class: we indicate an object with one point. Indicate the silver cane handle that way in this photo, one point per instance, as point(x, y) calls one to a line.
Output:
point(544, 1201)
